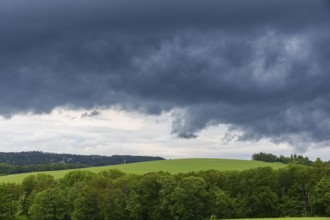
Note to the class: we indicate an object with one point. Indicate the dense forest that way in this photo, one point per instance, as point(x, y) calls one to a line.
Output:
point(23, 162)
point(296, 190)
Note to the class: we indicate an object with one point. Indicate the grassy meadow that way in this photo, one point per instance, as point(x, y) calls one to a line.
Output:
point(171, 166)
point(290, 218)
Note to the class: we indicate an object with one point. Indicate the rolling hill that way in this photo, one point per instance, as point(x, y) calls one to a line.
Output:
point(171, 166)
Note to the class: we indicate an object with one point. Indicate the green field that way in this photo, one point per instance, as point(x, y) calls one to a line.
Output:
point(171, 166)
point(301, 218)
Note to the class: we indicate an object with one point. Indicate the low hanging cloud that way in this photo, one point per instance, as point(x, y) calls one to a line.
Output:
point(260, 67)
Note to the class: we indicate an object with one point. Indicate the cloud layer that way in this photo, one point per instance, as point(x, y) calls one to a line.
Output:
point(260, 67)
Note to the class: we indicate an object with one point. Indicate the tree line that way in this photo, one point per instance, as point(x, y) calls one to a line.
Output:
point(6, 169)
point(31, 161)
point(38, 157)
point(294, 158)
point(295, 190)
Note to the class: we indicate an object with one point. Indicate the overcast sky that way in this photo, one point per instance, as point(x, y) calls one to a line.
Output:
point(188, 78)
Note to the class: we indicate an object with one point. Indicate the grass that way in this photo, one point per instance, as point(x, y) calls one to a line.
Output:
point(289, 218)
point(171, 166)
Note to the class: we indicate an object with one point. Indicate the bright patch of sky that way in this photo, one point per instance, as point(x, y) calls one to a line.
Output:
point(110, 132)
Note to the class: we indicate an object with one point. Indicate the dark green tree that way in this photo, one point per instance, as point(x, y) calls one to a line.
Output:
point(296, 184)
point(86, 205)
point(222, 204)
point(321, 197)
point(257, 191)
point(31, 185)
point(50, 204)
point(9, 195)
point(189, 200)
point(6, 168)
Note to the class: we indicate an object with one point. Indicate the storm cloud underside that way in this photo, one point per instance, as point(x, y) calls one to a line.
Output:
point(260, 67)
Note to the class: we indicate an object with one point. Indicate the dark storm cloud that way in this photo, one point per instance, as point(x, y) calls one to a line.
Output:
point(259, 66)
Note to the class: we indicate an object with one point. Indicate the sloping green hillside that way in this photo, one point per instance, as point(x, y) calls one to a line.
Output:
point(187, 165)
point(171, 166)
point(289, 218)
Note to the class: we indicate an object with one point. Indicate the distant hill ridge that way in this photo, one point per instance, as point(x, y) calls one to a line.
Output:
point(39, 157)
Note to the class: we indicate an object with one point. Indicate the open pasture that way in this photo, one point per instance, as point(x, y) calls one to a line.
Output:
point(171, 166)
point(290, 218)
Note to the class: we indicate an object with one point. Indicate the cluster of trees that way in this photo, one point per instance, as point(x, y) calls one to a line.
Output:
point(266, 157)
point(39, 157)
point(296, 190)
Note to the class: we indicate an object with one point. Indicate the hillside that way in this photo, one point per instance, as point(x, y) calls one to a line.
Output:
point(196, 164)
point(289, 218)
point(171, 166)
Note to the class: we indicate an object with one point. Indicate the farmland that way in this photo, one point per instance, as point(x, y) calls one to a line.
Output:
point(301, 218)
point(171, 166)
